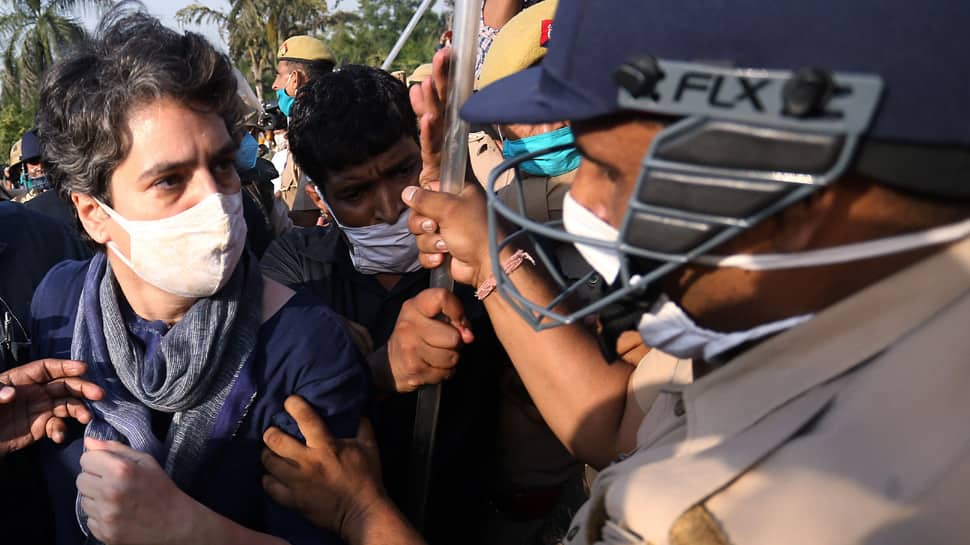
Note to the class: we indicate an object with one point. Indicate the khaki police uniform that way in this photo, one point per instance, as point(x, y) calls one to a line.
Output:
point(543, 194)
point(293, 181)
point(850, 428)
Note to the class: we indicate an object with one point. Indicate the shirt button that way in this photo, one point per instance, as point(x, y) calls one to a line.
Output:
point(679, 409)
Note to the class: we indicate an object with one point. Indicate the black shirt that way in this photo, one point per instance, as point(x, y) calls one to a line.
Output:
point(463, 464)
point(30, 244)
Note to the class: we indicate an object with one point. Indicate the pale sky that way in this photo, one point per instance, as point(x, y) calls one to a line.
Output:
point(165, 11)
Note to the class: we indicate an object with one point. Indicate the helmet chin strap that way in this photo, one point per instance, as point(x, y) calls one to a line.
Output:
point(845, 253)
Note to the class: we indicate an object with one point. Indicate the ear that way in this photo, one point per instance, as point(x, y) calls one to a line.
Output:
point(802, 222)
point(298, 80)
point(92, 216)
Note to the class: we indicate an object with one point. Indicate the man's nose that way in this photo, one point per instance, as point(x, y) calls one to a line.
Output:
point(389, 207)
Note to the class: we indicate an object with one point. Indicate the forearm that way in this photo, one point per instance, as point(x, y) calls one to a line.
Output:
point(215, 529)
point(381, 524)
point(581, 397)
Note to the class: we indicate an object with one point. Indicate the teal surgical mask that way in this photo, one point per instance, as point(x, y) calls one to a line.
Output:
point(283, 100)
point(555, 163)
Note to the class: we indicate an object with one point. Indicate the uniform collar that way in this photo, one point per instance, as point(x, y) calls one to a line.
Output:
point(840, 338)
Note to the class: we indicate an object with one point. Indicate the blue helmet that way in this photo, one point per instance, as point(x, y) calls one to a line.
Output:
point(769, 102)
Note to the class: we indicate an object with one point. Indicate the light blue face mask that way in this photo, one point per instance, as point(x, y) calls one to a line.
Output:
point(247, 153)
point(284, 101)
point(550, 164)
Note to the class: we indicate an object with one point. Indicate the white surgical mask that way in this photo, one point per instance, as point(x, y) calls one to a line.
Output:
point(668, 329)
point(380, 248)
point(280, 140)
point(580, 221)
point(190, 254)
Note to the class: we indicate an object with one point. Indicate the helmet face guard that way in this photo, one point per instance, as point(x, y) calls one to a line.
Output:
point(747, 144)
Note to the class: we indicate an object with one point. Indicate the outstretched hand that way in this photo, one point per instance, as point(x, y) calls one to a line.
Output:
point(332, 482)
point(37, 397)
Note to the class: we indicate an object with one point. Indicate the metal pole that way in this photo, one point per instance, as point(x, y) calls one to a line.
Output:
point(406, 34)
point(453, 165)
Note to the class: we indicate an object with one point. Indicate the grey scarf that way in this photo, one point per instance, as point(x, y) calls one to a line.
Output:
point(190, 374)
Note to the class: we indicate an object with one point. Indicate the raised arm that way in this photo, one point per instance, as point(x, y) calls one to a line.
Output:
point(581, 397)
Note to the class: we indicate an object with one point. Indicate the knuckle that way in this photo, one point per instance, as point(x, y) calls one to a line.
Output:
point(124, 471)
point(112, 496)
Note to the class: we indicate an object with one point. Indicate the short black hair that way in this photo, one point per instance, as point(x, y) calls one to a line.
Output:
point(347, 117)
point(313, 69)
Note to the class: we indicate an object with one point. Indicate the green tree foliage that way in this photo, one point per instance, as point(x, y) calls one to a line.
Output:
point(254, 29)
point(36, 33)
point(368, 37)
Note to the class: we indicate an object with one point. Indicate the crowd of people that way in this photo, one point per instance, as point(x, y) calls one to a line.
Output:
point(711, 269)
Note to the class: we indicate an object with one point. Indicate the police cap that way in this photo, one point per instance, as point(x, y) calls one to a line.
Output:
point(304, 49)
point(919, 138)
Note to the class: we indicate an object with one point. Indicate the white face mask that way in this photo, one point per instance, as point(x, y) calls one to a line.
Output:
point(668, 329)
point(280, 140)
point(380, 248)
point(580, 221)
point(190, 254)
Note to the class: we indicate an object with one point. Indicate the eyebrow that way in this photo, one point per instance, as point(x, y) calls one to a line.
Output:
point(353, 182)
point(405, 161)
point(161, 168)
point(590, 158)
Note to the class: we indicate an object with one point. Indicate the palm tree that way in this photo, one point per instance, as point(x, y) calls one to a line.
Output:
point(36, 33)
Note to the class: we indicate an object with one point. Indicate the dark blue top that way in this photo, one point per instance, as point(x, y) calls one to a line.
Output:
point(302, 349)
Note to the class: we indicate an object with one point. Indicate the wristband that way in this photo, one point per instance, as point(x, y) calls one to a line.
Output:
point(511, 264)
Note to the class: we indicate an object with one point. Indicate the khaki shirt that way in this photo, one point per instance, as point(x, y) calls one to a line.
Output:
point(850, 428)
point(484, 154)
point(292, 183)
